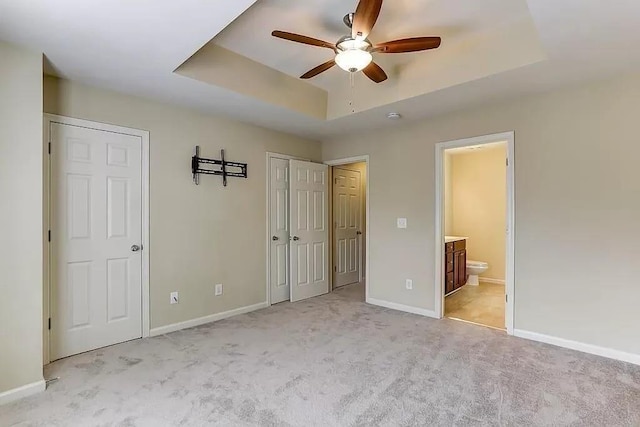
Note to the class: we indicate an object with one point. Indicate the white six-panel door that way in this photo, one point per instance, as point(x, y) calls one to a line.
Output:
point(347, 220)
point(279, 230)
point(96, 223)
point(309, 217)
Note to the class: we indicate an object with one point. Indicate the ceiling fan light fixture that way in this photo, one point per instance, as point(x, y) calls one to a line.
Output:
point(353, 54)
point(353, 60)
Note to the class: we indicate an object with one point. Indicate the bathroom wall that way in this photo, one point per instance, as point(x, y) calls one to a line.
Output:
point(478, 204)
point(448, 195)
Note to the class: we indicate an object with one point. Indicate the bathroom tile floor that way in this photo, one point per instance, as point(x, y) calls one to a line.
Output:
point(483, 304)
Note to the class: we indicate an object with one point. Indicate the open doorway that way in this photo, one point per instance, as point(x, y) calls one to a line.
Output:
point(348, 227)
point(474, 220)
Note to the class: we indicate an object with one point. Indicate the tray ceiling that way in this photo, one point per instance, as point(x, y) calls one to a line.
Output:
point(492, 50)
point(479, 39)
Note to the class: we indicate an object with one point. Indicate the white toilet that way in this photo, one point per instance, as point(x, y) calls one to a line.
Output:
point(474, 269)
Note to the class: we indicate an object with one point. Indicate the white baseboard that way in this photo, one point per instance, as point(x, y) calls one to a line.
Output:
point(24, 391)
point(579, 346)
point(494, 281)
point(206, 319)
point(402, 307)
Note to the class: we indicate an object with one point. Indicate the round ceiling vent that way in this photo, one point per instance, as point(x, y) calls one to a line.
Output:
point(394, 116)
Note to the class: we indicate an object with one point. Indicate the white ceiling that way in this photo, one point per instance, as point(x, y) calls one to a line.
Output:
point(133, 46)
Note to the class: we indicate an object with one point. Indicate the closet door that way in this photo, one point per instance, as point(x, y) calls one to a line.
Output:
point(309, 216)
point(279, 230)
point(96, 235)
point(347, 229)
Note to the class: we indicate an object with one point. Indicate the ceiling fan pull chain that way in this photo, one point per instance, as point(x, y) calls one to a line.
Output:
point(352, 83)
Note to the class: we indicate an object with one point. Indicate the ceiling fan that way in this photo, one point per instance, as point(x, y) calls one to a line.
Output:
point(353, 52)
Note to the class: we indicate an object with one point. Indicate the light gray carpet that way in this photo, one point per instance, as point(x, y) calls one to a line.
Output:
point(334, 361)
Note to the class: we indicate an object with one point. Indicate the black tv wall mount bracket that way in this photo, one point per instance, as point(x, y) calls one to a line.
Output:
point(216, 167)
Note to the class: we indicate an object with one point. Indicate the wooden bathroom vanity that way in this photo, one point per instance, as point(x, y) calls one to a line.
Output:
point(455, 263)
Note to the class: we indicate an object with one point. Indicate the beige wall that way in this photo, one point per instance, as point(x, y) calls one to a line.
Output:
point(478, 204)
point(20, 217)
point(577, 204)
point(200, 235)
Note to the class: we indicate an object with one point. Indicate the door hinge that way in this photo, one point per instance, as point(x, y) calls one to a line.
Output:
point(49, 235)
point(506, 298)
point(507, 161)
point(49, 323)
point(49, 148)
point(335, 268)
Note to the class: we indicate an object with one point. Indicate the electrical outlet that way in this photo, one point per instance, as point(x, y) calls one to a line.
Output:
point(219, 289)
point(409, 284)
point(173, 298)
point(402, 222)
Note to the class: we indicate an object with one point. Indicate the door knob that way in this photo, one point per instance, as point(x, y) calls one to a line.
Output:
point(296, 238)
point(274, 238)
point(358, 232)
point(135, 248)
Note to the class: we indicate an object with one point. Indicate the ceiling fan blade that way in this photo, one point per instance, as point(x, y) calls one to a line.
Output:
point(375, 73)
point(303, 39)
point(319, 69)
point(365, 18)
point(414, 44)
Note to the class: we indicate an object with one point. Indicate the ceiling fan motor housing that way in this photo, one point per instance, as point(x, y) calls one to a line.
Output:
point(348, 19)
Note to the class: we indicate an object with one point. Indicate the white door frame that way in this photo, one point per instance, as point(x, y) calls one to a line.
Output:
point(361, 274)
point(509, 137)
point(271, 155)
point(144, 138)
point(345, 161)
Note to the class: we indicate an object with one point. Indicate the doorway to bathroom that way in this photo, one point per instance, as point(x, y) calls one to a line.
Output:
point(474, 219)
